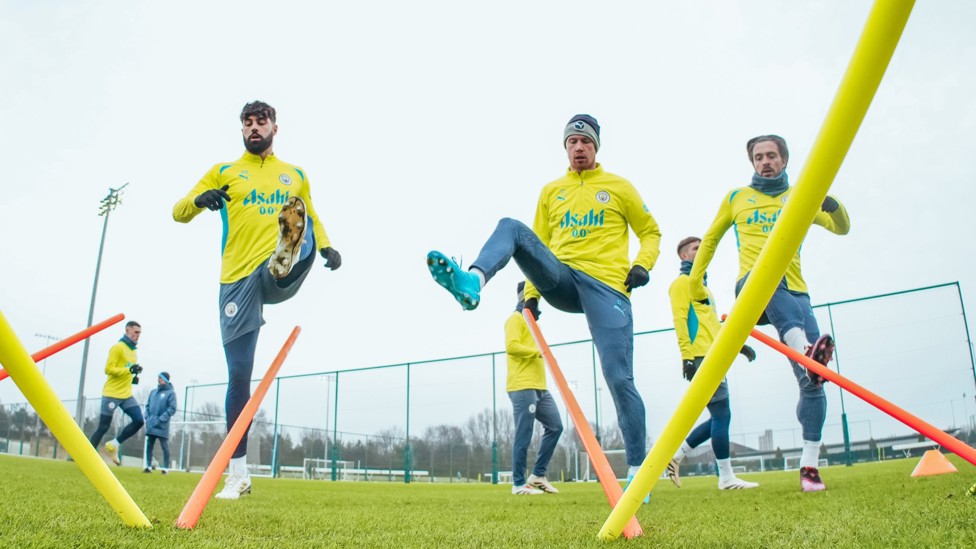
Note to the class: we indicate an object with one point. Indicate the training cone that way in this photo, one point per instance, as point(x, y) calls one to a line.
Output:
point(933, 462)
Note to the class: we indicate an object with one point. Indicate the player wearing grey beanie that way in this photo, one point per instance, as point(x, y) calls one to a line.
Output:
point(583, 124)
point(576, 256)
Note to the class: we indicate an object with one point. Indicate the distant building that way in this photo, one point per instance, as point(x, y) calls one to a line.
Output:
point(766, 441)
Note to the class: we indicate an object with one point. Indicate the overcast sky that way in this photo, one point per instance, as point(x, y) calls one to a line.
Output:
point(421, 124)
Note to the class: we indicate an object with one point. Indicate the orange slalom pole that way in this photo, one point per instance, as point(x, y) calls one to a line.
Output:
point(69, 341)
point(958, 447)
point(611, 488)
point(201, 494)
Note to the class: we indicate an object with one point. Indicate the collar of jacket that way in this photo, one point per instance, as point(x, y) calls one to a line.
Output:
point(256, 158)
point(128, 342)
point(585, 175)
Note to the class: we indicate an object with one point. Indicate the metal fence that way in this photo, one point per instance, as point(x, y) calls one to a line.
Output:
point(449, 420)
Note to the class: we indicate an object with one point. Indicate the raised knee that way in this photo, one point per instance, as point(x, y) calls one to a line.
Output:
point(510, 223)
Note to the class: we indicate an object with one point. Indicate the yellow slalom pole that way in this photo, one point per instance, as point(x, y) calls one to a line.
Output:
point(24, 372)
point(871, 57)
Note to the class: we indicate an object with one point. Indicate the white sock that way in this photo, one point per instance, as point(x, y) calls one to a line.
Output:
point(725, 469)
point(114, 442)
point(796, 338)
point(811, 454)
point(239, 465)
point(481, 277)
point(632, 471)
point(680, 454)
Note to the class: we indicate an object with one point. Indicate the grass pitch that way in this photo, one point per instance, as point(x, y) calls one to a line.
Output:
point(46, 503)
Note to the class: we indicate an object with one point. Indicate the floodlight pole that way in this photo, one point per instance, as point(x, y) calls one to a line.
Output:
point(107, 204)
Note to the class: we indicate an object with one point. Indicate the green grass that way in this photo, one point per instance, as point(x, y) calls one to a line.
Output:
point(46, 503)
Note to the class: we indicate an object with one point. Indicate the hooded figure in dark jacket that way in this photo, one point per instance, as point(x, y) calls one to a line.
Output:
point(159, 409)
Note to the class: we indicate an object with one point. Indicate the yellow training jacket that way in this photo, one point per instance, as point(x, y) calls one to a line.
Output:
point(584, 218)
point(695, 324)
point(752, 215)
point(258, 188)
point(525, 367)
point(119, 382)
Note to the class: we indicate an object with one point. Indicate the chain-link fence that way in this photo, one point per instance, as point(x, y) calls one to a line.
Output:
point(450, 420)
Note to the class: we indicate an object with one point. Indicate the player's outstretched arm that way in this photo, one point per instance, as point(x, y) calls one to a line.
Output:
point(706, 250)
point(212, 199)
point(647, 230)
point(833, 216)
point(208, 193)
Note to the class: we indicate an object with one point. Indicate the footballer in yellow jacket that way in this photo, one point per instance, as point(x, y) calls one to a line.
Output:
point(270, 234)
point(577, 257)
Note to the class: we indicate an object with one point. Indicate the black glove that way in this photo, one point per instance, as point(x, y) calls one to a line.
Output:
point(636, 278)
point(212, 199)
point(332, 258)
point(135, 369)
point(829, 205)
point(748, 352)
point(688, 368)
point(532, 304)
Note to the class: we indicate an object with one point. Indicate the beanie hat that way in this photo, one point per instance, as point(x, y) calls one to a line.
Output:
point(583, 124)
point(164, 375)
